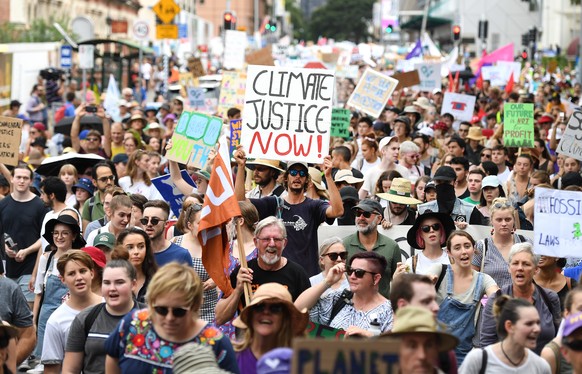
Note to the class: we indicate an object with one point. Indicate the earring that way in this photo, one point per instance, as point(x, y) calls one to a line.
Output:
point(492, 232)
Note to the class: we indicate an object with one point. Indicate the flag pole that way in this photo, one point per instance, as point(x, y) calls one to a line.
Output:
point(243, 261)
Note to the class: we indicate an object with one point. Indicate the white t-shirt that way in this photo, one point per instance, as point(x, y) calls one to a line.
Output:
point(372, 175)
point(56, 334)
point(424, 263)
point(150, 192)
point(41, 274)
point(91, 238)
point(467, 296)
point(503, 177)
point(533, 364)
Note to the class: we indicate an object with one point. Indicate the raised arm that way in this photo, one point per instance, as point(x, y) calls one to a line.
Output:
point(226, 308)
point(336, 208)
point(310, 296)
point(76, 127)
point(106, 130)
point(239, 184)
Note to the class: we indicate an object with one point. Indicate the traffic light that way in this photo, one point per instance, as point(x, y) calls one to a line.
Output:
point(525, 39)
point(389, 29)
point(533, 34)
point(456, 33)
point(483, 28)
point(229, 21)
point(271, 26)
point(524, 55)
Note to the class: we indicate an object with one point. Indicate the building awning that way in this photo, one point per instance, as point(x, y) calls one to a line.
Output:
point(415, 23)
point(128, 43)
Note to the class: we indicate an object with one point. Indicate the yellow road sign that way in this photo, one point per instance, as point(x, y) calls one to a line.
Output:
point(166, 31)
point(166, 10)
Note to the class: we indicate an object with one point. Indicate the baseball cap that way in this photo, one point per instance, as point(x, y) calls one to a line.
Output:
point(490, 181)
point(445, 173)
point(83, 134)
point(105, 238)
point(571, 324)
point(291, 163)
point(96, 254)
point(369, 205)
point(349, 193)
point(120, 157)
point(39, 126)
point(385, 141)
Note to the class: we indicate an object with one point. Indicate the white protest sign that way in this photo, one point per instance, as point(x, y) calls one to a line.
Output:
point(510, 67)
point(459, 105)
point(495, 74)
point(557, 222)
point(287, 113)
point(570, 144)
point(196, 97)
point(405, 65)
point(430, 76)
point(372, 92)
point(235, 43)
point(86, 56)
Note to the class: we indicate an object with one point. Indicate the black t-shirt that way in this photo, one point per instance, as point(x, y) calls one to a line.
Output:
point(464, 194)
point(291, 276)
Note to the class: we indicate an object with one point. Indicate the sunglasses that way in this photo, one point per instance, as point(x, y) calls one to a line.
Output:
point(575, 345)
point(434, 226)
point(154, 220)
point(106, 179)
point(334, 255)
point(92, 139)
point(275, 308)
point(176, 312)
point(485, 155)
point(506, 204)
point(4, 341)
point(358, 272)
point(293, 172)
point(360, 212)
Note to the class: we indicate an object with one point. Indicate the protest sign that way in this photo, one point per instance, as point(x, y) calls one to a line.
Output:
point(362, 356)
point(518, 125)
point(494, 74)
point(349, 71)
point(430, 76)
point(196, 97)
point(459, 105)
point(407, 79)
point(570, 144)
point(510, 67)
point(235, 127)
point(235, 43)
point(196, 67)
point(261, 57)
point(340, 122)
point(232, 92)
point(315, 330)
point(287, 113)
point(170, 192)
point(557, 222)
point(10, 133)
point(195, 136)
point(372, 92)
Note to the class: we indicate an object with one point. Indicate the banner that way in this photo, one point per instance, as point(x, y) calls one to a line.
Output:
point(570, 144)
point(340, 122)
point(195, 136)
point(232, 92)
point(558, 222)
point(459, 105)
point(235, 43)
point(287, 113)
point(372, 92)
point(518, 125)
point(430, 76)
point(11, 133)
point(170, 192)
point(235, 127)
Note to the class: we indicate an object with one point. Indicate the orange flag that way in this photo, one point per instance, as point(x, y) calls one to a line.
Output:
point(509, 85)
point(220, 205)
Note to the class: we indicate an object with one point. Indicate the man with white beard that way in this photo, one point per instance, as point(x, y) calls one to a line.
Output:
point(269, 266)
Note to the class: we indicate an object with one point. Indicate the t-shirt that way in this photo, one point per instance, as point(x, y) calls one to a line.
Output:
point(247, 362)
point(374, 173)
point(533, 364)
point(14, 309)
point(424, 263)
point(174, 253)
point(93, 208)
point(471, 201)
point(301, 221)
point(56, 333)
point(23, 222)
point(503, 177)
point(291, 276)
point(150, 192)
point(465, 297)
point(140, 349)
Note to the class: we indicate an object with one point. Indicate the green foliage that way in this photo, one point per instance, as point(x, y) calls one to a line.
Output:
point(40, 30)
point(297, 20)
point(342, 20)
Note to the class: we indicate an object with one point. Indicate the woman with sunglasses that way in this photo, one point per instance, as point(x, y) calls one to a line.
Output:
point(137, 179)
point(460, 289)
point(368, 310)
point(491, 255)
point(490, 190)
point(191, 243)
point(331, 252)
point(139, 250)
point(85, 351)
point(270, 321)
point(518, 326)
point(145, 340)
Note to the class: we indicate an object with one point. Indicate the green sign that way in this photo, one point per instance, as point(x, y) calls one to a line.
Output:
point(518, 125)
point(340, 123)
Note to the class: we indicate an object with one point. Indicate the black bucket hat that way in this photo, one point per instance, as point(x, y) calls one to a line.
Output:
point(445, 220)
point(64, 219)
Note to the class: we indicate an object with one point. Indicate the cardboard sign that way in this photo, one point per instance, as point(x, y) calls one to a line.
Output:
point(362, 356)
point(170, 192)
point(196, 67)
point(372, 92)
point(340, 122)
point(459, 105)
point(494, 74)
point(315, 330)
point(195, 136)
point(10, 133)
point(518, 125)
point(287, 113)
point(407, 79)
point(557, 222)
point(232, 92)
point(235, 43)
point(196, 97)
point(235, 128)
point(570, 144)
point(430, 76)
point(261, 57)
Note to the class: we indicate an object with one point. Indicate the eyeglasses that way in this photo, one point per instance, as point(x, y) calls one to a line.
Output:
point(293, 172)
point(106, 179)
point(334, 255)
point(575, 345)
point(64, 234)
point(154, 220)
point(92, 139)
point(434, 226)
point(485, 155)
point(274, 308)
point(268, 240)
point(506, 204)
point(358, 272)
point(4, 341)
point(359, 212)
point(177, 312)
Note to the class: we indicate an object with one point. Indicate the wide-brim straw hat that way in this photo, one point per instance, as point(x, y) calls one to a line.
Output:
point(274, 293)
point(445, 220)
point(475, 133)
point(345, 175)
point(400, 193)
point(316, 178)
point(273, 164)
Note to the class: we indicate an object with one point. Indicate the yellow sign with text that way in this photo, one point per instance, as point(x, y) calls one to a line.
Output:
point(166, 31)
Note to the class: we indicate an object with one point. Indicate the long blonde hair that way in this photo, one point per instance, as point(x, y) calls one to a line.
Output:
point(284, 335)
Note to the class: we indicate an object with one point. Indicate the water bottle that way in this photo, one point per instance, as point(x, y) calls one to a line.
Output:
point(375, 325)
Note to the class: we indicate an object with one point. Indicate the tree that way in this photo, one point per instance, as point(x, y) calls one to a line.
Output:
point(342, 20)
point(40, 30)
point(297, 20)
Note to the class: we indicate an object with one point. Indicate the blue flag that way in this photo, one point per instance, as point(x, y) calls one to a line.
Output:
point(416, 51)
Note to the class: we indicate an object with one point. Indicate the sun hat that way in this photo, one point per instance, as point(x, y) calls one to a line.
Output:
point(96, 254)
point(276, 361)
point(275, 293)
point(371, 206)
point(411, 109)
point(195, 358)
point(273, 164)
point(445, 173)
point(400, 192)
point(64, 219)
point(475, 133)
point(490, 181)
point(345, 175)
point(85, 184)
point(106, 239)
point(445, 220)
point(414, 320)
point(422, 102)
point(179, 98)
point(316, 178)
point(138, 117)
